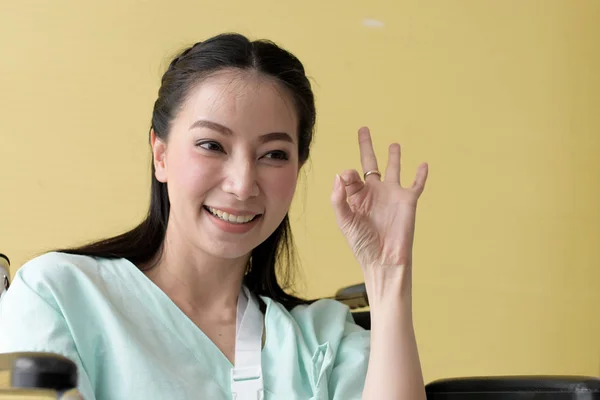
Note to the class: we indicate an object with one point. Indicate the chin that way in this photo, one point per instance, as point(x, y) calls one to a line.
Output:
point(227, 251)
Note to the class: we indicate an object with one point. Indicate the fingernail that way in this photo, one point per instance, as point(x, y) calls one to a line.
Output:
point(338, 181)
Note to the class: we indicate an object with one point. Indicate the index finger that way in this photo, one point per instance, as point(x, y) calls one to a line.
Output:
point(368, 159)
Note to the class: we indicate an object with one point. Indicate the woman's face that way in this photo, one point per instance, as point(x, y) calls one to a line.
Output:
point(230, 163)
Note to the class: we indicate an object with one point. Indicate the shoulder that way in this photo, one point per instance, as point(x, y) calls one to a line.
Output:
point(330, 320)
point(59, 274)
point(324, 320)
point(323, 313)
point(57, 267)
point(70, 287)
point(53, 262)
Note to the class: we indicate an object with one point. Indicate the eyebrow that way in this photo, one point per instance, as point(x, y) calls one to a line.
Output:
point(268, 137)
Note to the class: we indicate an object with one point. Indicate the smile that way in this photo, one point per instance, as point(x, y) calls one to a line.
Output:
point(231, 218)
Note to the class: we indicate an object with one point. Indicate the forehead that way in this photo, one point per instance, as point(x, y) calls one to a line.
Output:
point(246, 102)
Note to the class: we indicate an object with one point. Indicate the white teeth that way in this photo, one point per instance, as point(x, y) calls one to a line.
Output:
point(236, 219)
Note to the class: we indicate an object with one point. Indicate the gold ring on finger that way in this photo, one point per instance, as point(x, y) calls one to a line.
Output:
point(372, 172)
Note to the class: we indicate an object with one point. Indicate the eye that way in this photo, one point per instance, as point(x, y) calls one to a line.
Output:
point(210, 145)
point(277, 155)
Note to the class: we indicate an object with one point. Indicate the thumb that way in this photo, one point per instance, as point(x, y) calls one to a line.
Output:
point(341, 208)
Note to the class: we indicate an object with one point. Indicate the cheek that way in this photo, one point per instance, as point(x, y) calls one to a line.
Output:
point(191, 174)
point(282, 186)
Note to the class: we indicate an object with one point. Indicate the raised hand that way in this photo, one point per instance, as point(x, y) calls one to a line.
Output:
point(377, 215)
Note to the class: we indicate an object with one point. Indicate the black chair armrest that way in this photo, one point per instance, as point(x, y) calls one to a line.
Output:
point(524, 387)
point(354, 296)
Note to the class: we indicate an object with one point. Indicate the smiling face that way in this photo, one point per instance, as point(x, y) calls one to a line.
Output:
point(230, 163)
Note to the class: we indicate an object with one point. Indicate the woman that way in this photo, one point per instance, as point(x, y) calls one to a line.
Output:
point(187, 305)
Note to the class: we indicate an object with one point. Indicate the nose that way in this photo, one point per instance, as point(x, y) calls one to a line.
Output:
point(241, 179)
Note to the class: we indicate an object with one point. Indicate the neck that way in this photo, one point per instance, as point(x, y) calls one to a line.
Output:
point(195, 279)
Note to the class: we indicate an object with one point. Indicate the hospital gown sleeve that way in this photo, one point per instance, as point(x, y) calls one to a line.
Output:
point(31, 321)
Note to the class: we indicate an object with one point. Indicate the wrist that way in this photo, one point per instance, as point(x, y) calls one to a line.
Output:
point(388, 285)
point(390, 300)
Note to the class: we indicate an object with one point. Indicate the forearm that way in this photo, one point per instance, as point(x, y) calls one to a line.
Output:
point(394, 370)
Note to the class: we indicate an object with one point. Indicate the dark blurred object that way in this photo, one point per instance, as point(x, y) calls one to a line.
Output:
point(355, 297)
point(31, 375)
point(526, 387)
point(4, 273)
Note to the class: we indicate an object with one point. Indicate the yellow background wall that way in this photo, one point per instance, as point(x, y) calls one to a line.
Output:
point(502, 98)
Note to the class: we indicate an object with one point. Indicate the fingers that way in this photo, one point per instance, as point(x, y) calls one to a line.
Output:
point(342, 210)
point(352, 182)
point(421, 178)
point(368, 159)
point(369, 163)
point(392, 171)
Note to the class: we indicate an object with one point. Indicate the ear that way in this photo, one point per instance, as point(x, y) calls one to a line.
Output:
point(159, 157)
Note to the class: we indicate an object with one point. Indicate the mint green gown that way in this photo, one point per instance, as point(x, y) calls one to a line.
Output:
point(131, 342)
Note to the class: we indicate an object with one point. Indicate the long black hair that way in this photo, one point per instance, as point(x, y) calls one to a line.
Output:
point(272, 263)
